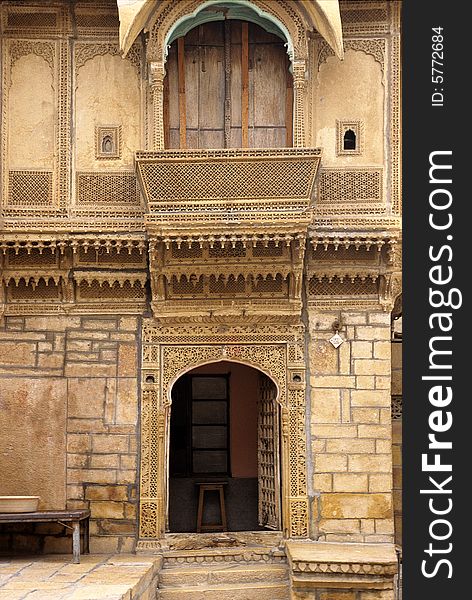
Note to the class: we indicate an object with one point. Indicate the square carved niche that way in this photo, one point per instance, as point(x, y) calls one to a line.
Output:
point(349, 137)
point(108, 141)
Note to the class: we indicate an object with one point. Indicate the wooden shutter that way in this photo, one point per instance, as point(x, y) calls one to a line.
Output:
point(228, 85)
point(268, 456)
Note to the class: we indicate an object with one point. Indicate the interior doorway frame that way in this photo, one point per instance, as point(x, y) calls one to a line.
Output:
point(275, 350)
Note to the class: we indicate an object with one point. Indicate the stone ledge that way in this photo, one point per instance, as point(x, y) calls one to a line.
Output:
point(352, 566)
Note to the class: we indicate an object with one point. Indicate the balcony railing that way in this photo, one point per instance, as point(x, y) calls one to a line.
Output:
point(240, 188)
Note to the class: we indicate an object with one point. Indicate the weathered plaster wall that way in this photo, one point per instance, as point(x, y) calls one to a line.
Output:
point(350, 90)
point(32, 428)
point(108, 93)
point(351, 426)
point(31, 114)
point(69, 421)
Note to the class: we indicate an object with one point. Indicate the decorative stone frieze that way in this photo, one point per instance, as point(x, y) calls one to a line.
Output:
point(73, 273)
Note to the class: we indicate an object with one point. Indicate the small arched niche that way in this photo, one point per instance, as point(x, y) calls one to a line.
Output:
point(349, 140)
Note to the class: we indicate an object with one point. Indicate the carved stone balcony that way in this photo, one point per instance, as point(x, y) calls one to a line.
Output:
point(193, 192)
point(227, 231)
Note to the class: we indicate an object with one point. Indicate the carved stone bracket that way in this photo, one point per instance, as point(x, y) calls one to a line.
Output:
point(390, 289)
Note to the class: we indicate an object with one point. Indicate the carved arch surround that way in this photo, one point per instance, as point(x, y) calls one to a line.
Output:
point(167, 388)
point(170, 14)
point(276, 351)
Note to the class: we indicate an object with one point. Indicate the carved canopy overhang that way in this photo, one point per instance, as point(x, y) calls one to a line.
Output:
point(227, 230)
point(353, 266)
point(43, 273)
point(298, 17)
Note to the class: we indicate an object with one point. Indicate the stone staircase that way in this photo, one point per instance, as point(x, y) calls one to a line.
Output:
point(225, 574)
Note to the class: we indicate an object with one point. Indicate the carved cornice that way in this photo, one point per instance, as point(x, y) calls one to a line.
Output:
point(226, 334)
point(41, 242)
point(328, 565)
point(356, 239)
point(117, 307)
point(366, 221)
point(352, 568)
point(102, 277)
point(228, 240)
point(32, 278)
point(339, 246)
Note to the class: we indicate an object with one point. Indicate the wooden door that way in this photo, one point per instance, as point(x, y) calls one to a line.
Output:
point(228, 85)
point(268, 456)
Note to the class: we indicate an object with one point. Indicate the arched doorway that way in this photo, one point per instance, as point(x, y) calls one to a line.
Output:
point(225, 428)
point(276, 350)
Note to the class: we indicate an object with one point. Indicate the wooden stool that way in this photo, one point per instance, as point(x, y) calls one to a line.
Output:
point(211, 487)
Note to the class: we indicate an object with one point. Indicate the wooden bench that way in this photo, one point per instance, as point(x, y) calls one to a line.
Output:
point(76, 518)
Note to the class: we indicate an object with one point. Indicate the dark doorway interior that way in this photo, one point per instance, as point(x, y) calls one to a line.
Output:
point(213, 437)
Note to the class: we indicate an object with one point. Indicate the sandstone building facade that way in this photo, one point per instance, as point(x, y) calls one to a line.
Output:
point(196, 196)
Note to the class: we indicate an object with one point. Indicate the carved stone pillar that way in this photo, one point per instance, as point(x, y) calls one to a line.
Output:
point(299, 92)
point(156, 81)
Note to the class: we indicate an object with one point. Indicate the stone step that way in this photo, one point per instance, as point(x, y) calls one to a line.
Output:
point(223, 574)
point(221, 556)
point(254, 591)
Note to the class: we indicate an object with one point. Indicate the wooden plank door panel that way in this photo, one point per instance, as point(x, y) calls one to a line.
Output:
point(268, 456)
point(255, 92)
point(172, 89)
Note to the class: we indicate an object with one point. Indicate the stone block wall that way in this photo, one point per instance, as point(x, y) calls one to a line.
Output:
point(397, 441)
point(351, 432)
point(69, 396)
point(342, 594)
